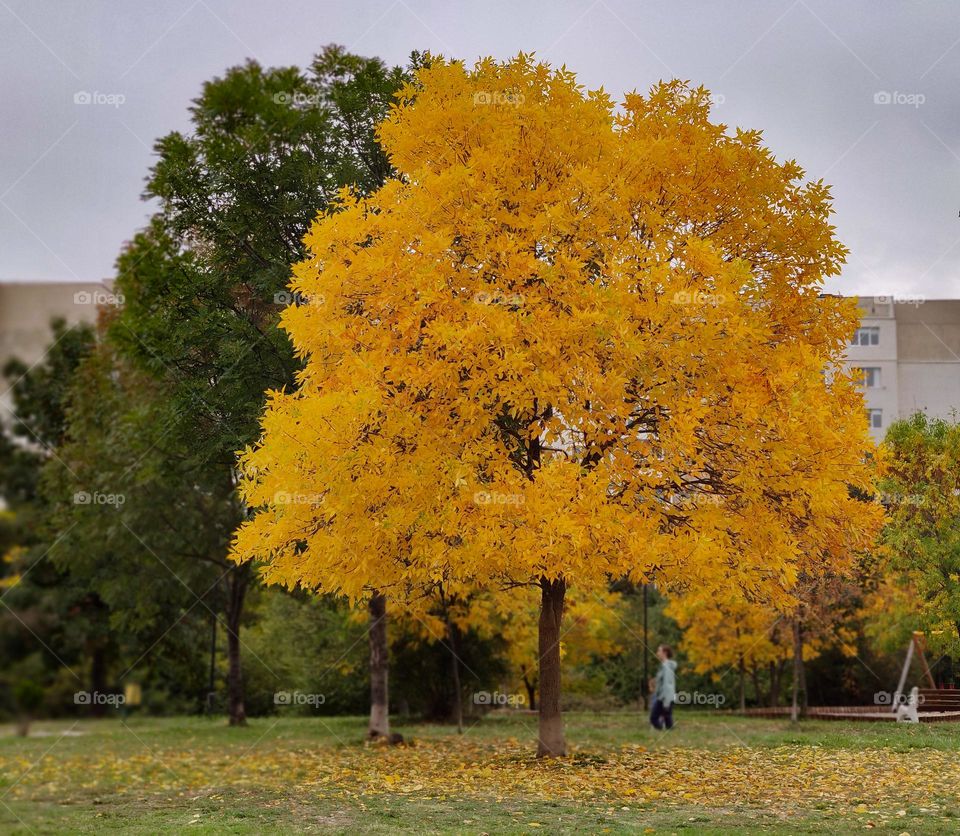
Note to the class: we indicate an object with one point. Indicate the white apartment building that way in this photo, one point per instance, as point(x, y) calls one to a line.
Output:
point(909, 351)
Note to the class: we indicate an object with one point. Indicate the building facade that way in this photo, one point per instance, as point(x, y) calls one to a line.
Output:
point(26, 311)
point(909, 351)
point(908, 348)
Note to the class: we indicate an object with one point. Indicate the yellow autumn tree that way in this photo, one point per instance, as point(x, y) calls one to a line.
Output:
point(568, 342)
point(725, 631)
point(590, 626)
point(723, 634)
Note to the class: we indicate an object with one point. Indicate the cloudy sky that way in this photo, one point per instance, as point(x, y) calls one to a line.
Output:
point(863, 93)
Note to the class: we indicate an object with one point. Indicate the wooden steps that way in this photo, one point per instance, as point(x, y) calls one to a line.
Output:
point(927, 713)
point(939, 700)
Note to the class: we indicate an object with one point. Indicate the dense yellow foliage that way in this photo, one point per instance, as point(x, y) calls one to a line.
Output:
point(721, 632)
point(569, 340)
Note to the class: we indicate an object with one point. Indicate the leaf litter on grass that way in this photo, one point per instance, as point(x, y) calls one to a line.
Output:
point(869, 782)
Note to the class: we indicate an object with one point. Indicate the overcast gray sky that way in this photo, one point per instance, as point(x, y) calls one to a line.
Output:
point(863, 93)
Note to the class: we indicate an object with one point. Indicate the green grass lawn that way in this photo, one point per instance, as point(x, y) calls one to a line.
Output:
point(714, 773)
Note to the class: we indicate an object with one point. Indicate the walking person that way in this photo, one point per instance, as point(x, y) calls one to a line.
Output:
point(664, 690)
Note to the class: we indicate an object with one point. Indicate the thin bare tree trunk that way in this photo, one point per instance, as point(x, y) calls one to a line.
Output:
point(743, 685)
point(798, 705)
point(212, 678)
point(551, 741)
point(454, 639)
point(804, 692)
point(239, 579)
point(98, 677)
point(379, 668)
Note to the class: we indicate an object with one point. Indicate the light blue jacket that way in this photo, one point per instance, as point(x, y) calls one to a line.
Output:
point(666, 682)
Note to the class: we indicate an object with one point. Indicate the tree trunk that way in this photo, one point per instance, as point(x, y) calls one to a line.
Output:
point(98, 678)
point(531, 690)
point(798, 704)
point(755, 676)
point(379, 667)
point(239, 580)
point(454, 640)
point(794, 711)
point(774, 684)
point(551, 741)
point(211, 701)
point(804, 692)
point(743, 685)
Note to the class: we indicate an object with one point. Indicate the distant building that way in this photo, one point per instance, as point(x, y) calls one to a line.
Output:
point(909, 350)
point(26, 310)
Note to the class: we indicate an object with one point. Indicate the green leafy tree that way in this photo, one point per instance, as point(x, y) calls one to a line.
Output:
point(44, 610)
point(921, 489)
point(205, 283)
point(108, 482)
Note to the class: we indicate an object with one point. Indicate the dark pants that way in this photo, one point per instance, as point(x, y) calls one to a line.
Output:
point(661, 715)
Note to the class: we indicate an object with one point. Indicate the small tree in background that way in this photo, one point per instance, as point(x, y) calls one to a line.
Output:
point(723, 635)
point(28, 697)
point(922, 491)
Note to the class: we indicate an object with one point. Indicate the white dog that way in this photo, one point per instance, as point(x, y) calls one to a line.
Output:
point(908, 713)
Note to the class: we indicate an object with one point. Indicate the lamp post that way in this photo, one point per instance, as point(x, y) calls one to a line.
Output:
point(645, 683)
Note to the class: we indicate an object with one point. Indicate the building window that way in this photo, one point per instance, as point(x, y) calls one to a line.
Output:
point(867, 335)
point(875, 418)
point(870, 376)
